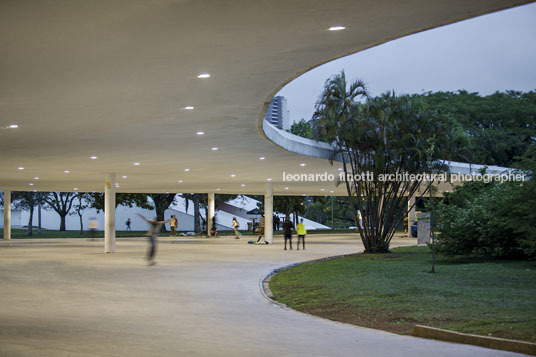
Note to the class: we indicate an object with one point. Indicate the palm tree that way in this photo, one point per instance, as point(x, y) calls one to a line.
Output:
point(386, 135)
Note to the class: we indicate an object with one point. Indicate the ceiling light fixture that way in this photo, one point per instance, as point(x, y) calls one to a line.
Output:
point(136, 164)
point(269, 179)
point(21, 168)
point(214, 149)
point(186, 170)
point(233, 175)
point(93, 158)
point(337, 28)
point(286, 188)
point(76, 189)
point(180, 181)
point(302, 165)
point(204, 75)
point(189, 107)
point(36, 178)
point(262, 158)
point(31, 184)
point(12, 126)
point(124, 176)
point(66, 171)
point(243, 185)
point(200, 133)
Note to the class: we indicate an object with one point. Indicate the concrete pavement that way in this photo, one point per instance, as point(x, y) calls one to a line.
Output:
point(203, 298)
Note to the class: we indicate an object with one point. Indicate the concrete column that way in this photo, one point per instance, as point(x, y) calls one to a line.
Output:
point(7, 214)
point(411, 212)
point(210, 212)
point(109, 213)
point(269, 213)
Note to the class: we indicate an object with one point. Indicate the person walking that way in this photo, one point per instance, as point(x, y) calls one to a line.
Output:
point(152, 233)
point(287, 231)
point(236, 225)
point(260, 230)
point(128, 224)
point(173, 226)
point(301, 231)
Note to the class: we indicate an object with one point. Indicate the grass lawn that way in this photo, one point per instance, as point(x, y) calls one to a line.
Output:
point(23, 234)
point(395, 291)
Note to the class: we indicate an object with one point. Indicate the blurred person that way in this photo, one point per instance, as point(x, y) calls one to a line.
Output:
point(260, 229)
point(152, 233)
point(173, 226)
point(236, 225)
point(128, 224)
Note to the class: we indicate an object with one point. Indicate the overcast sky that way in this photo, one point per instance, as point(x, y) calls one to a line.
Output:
point(485, 54)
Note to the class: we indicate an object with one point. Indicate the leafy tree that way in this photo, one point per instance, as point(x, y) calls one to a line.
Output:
point(162, 201)
point(96, 200)
point(290, 204)
point(498, 127)
point(302, 128)
point(27, 201)
point(82, 202)
point(61, 202)
point(386, 135)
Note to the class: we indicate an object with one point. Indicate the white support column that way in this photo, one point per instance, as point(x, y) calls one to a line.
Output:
point(411, 212)
point(210, 212)
point(7, 214)
point(109, 213)
point(269, 213)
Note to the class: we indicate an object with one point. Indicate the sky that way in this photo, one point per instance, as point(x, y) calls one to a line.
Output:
point(490, 53)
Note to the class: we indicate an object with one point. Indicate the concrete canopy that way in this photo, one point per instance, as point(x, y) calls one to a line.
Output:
point(112, 78)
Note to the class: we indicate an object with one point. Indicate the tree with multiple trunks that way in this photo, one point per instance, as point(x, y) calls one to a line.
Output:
point(382, 136)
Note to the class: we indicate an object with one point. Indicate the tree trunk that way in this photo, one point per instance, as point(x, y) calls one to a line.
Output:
point(39, 219)
point(197, 215)
point(81, 224)
point(30, 222)
point(62, 222)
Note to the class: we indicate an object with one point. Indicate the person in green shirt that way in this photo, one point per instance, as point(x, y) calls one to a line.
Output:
point(300, 229)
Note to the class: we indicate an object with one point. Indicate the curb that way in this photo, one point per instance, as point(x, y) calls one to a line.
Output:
point(528, 348)
point(264, 283)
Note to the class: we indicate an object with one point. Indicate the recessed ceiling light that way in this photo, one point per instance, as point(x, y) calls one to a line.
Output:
point(340, 169)
point(331, 191)
point(34, 190)
point(180, 181)
point(204, 75)
point(217, 189)
point(66, 171)
point(303, 194)
point(36, 178)
point(337, 28)
point(200, 133)
point(124, 176)
point(186, 170)
point(189, 107)
point(13, 126)
point(286, 188)
point(302, 165)
point(31, 184)
point(243, 185)
point(233, 175)
point(167, 192)
point(322, 190)
point(76, 189)
point(214, 149)
point(93, 158)
point(269, 179)
point(21, 168)
point(136, 164)
point(262, 158)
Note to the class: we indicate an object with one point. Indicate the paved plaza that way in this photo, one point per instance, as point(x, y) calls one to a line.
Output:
point(203, 298)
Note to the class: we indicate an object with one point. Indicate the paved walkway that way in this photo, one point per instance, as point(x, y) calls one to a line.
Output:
point(203, 298)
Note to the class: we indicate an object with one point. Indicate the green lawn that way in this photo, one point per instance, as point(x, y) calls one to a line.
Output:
point(23, 234)
point(395, 291)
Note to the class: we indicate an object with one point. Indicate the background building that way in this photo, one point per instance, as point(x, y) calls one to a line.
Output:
point(277, 113)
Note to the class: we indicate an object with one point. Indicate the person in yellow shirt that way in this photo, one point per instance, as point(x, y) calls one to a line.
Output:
point(300, 229)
